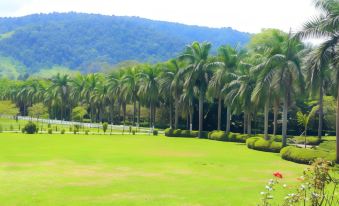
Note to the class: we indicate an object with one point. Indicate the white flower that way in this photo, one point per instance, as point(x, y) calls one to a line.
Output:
point(284, 185)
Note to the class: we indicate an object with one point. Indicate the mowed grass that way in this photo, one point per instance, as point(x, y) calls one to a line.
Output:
point(133, 170)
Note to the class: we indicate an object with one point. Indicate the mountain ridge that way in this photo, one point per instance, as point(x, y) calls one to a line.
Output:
point(86, 42)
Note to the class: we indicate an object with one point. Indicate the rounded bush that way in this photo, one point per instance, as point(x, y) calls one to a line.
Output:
point(169, 132)
point(218, 135)
point(62, 131)
point(310, 140)
point(50, 131)
point(30, 128)
point(86, 132)
point(304, 155)
point(259, 143)
point(180, 133)
point(155, 132)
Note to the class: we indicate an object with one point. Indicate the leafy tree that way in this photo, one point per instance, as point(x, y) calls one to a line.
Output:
point(8, 108)
point(38, 110)
point(78, 113)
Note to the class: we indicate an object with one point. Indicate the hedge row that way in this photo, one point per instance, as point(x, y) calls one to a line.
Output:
point(305, 156)
point(184, 133)
point(310, 140)
point(259, 143)
point(230, 137)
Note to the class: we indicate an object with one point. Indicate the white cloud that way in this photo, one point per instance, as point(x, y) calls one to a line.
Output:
point(244, 15)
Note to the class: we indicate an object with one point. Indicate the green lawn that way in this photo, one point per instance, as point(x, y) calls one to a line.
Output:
point(133, 170)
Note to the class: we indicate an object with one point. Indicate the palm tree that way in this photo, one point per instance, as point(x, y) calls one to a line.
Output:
point(60, 89)
point(326, 26)
point(91, 83)
point(149, 89)
point(228, 60)
point(130, 87)
point(198, 72)
point(287, 77)
point(171, 83)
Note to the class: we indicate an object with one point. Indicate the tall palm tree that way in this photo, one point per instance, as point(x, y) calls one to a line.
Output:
point(326, 25)
point(228, 60)
point(130, 87)
point(171, 83)
point(149, 89)
point(198, 72)
point(92, 81)
point(60, 89)
point(287, 77)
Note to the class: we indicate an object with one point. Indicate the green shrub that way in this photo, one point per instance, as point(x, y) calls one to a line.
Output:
point(49, 125)
point(305, 156)
point(169, 132)
point(181, 133)
point(310, 140)
point(259, 143)
point(50, 131)
point(328, 146)
point(218, 135)
point(62, 131)
point(70, 128)
point(133, 132)
point(1, 129)
point(11, 128)
point(30, 128)
point(105, 126)
point(86, 132)
point(155, 132)
point(204, 134)
point(241, 137)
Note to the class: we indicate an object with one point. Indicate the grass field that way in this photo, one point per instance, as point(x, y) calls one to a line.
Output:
point(133, 170)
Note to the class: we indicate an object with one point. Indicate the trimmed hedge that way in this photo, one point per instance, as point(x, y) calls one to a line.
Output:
point(259, 143)
point(310, 140)
point(305, 156)
point(231, 137)
point(180, 133)
point(184, 133)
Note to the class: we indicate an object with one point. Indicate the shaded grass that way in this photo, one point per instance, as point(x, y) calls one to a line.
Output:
point(133, 170)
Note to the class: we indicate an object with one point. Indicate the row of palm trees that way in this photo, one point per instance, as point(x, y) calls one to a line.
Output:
point(268, 74)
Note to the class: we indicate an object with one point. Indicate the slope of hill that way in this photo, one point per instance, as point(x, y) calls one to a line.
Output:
point(87, 41)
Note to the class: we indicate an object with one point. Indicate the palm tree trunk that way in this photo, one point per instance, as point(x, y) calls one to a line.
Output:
point(245, 123)
point(201, 107)
point(150, 115)
point(228, 120)
point(321, 96)
point(249, 125)
point(191, 118)
point(284, 120)
point(219, 113)
point(266, 119)
point(134, 110)
point(275, 118)
point(170, 114)
point(176, 113)
point(154, 113)
point(337, 125)
point(139, 107)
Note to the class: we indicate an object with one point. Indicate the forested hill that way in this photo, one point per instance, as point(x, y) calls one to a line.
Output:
point(86, 41)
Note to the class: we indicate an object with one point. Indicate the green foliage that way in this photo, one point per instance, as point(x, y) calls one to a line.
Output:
point(259, 143)
point(104, 126)
point(310, 140)
point(62, 131)
point(328, 146)
point(305, 156)
point(155, 132)
point(82, 41)
point(50, 131)
point(10, 68)
point(8, 108)
point(231, 137)
point(86, 132)
point(30, 128)
point(38, 110)
point(78, 113)
point(180, 133)
point(1, 129)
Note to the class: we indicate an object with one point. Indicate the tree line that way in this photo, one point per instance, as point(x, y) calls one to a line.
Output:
point(270, 74)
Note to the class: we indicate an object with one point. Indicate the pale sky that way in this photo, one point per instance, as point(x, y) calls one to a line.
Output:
point(243, 15)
